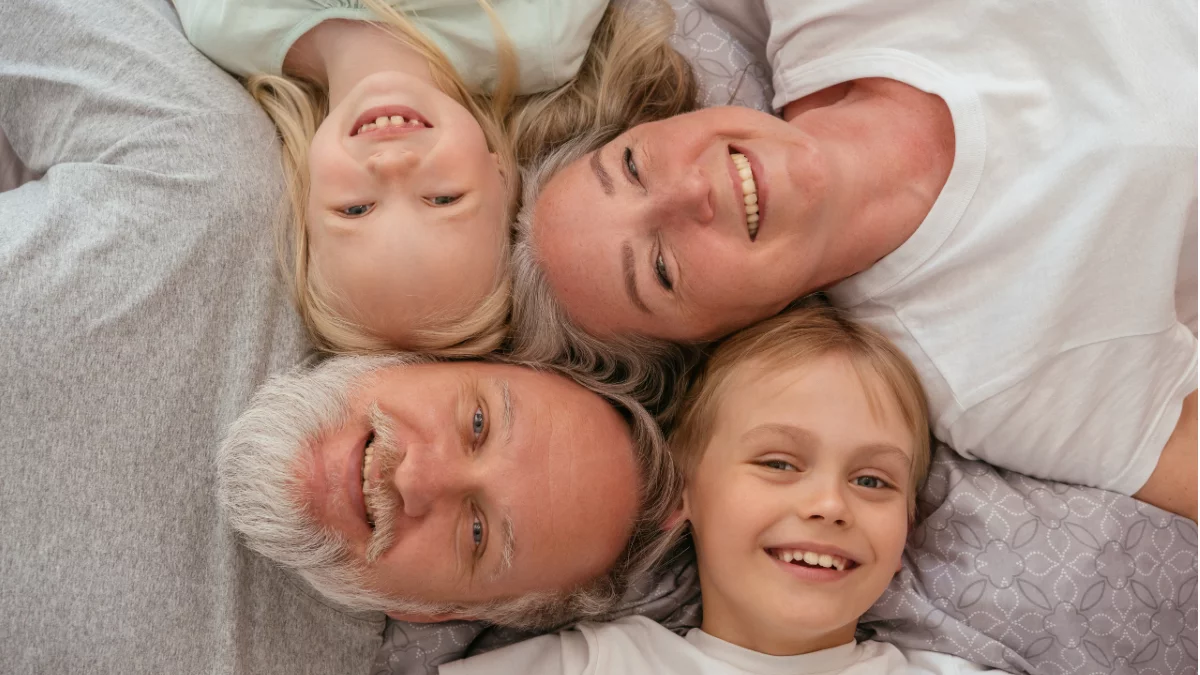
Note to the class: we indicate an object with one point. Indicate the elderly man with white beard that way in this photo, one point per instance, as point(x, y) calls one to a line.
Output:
point(437, 490)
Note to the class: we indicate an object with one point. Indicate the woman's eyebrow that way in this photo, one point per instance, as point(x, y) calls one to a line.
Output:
point(630, 275)
point(606, 183)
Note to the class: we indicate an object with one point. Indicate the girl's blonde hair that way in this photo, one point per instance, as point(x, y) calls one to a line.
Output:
point(298, 107)
point(790, 339)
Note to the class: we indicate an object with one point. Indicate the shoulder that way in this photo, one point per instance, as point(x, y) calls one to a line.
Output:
point(249, 37)
point(924, 662)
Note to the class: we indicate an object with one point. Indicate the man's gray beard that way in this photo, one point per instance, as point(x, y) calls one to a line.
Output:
point(258, 487)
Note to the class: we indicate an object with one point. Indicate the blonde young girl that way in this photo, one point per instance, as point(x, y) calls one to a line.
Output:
point(402, 182)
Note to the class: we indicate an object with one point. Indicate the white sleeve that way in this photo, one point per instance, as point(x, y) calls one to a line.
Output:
point(564, 653)
point(1097, 415)
point(921, 662)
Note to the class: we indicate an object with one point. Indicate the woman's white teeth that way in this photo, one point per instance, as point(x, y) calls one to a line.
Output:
point(749, 191)
point(812, 559)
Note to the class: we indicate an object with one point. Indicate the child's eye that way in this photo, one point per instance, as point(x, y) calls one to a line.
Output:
point(357, 210)
point(873, 482)
point(778, 465)
point(444, 200)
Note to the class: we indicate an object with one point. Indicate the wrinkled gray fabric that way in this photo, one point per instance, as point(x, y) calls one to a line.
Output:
point(1002, 569)
point(139, 308)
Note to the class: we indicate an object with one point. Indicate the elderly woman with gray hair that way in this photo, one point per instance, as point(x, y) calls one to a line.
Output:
point(1008, 193)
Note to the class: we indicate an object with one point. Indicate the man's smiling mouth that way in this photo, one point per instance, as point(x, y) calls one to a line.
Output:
point(368, 456)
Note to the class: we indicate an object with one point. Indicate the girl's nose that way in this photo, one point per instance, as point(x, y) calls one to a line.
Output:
point(394, 161)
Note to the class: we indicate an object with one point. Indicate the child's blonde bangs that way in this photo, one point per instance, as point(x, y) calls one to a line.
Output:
point(796, 337)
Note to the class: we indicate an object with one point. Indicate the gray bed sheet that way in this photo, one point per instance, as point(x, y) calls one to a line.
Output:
point(1004, 570)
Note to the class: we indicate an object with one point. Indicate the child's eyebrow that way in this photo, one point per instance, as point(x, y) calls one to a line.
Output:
point(803, 438)
point(885, 451)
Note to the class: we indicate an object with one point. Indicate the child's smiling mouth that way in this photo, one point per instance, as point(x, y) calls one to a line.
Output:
point(816, 564)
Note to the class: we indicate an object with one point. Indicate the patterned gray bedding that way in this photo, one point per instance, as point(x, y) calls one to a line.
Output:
point(1004, 570)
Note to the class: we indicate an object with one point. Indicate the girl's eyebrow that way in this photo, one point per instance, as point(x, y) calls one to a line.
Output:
point(800, 436)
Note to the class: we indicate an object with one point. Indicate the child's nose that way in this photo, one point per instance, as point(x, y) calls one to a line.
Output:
point(392, 162)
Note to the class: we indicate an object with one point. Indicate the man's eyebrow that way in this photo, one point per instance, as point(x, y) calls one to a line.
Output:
point(631, 277)
point(508, 548)
point(606, 183)
point(507, 412)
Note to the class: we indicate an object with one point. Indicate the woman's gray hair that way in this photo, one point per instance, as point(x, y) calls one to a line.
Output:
point(651, 370)
point(262, 500)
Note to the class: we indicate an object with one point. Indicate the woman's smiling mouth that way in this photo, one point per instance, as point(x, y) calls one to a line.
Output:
point(749, 192)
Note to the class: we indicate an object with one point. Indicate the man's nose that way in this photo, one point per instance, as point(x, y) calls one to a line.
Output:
point(393, 162)
point(688, 198)
point(429, 474)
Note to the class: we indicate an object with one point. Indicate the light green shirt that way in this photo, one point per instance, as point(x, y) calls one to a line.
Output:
point(250, 37)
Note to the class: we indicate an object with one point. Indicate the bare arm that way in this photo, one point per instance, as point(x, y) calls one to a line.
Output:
point(1172, 486)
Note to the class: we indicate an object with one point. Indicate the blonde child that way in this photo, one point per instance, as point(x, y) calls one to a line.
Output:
point(802, 445)
point(402, 181)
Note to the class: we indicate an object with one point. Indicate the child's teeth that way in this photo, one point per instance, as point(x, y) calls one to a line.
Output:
point(381, 121)
point(397, 120)
point(811, 558)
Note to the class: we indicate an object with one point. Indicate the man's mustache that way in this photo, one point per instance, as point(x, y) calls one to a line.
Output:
point(381, 496)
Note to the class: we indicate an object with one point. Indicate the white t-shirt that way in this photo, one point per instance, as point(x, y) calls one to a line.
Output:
point(1038, 300)
point(636, 645)
point(250, 37)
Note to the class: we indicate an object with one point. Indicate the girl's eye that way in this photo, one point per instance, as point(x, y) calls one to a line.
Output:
point(870, 482)
point(660, 271)
point(444, 200)
point(477, 532)
point(356, 210)
point(478, 423)
point(779, 465)
point(630, 165)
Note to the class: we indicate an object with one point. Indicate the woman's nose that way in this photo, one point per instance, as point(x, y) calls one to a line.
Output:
point(392, 161)
point(429, 473)
point(689, 198)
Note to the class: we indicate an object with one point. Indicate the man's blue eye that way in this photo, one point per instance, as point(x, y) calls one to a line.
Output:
point(870, 482)
point(477, 422)
point(477, 532)
point(357, 210)
point(445, 200)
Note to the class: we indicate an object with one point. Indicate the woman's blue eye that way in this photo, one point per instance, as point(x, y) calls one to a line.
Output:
point(477, 422)
point(445, 200)
point(357, 210)
point(870, 482)
point(477, 532)
point(629, 164)
point(779, 465)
